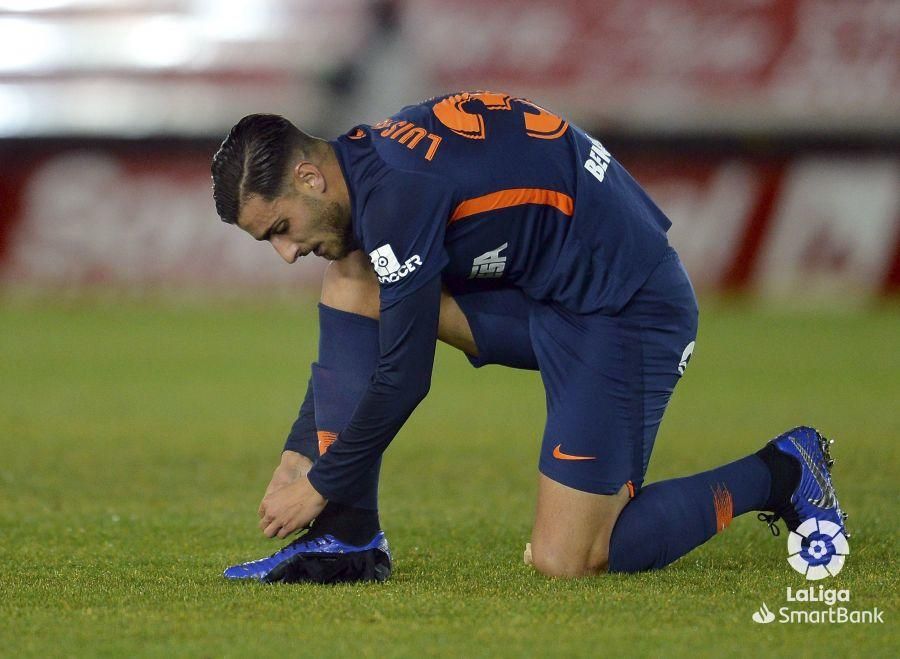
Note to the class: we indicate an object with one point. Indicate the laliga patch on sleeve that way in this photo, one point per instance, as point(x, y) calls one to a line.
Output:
point(388, 267)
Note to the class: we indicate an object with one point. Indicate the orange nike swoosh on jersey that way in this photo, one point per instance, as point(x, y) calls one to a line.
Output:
point(559, 455)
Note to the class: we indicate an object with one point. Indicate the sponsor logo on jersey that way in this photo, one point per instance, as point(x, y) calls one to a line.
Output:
point(598, 160)
point(388, 268)
point(489, 265)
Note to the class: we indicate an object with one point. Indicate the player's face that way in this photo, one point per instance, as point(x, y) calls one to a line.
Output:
point(299, 222)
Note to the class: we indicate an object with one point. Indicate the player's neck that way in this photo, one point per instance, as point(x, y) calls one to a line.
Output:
point(331, 167)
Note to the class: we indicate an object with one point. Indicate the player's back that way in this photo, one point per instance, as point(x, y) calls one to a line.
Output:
point(535, 202)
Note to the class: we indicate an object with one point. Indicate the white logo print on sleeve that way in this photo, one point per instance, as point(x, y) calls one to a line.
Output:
point(388, 268)
point(384, 261)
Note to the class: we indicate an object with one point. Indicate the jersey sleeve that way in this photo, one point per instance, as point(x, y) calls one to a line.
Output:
point(402, 230)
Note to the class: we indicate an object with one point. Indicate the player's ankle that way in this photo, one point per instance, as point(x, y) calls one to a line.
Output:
point(784, 472)
point(355, 526)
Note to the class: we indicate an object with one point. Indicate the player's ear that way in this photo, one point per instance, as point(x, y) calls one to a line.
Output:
point(309, 177)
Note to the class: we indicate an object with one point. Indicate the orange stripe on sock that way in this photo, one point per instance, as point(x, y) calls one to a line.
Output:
point(724, 507)
point(514, 197)
point(326, 439)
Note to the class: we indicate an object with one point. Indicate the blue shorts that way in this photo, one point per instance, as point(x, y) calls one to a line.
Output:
point(608, 378)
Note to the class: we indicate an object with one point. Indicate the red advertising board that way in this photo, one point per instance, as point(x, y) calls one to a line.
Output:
point(139, 214)
point(800, 224)
point(675, 64)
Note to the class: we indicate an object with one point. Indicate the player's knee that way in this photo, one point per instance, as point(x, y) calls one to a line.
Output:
point(350, 285)
point(558, 562)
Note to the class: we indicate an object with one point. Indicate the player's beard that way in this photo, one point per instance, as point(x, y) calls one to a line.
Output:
point(334, 220)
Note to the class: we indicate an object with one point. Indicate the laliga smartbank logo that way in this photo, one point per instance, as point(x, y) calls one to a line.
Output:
point(817, 549)
point(832, 612)
point(763, 616)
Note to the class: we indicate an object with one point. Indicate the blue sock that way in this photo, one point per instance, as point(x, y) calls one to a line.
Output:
point(303, 437)
point(668, 519)
point(348, 356)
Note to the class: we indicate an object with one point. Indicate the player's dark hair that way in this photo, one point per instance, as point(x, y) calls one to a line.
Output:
point(254, 160)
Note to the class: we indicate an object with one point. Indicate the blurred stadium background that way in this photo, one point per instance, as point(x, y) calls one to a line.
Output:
point(137, 434)
point(769, 130)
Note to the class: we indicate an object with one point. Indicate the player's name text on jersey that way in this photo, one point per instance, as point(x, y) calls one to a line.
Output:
point(388, 267)
point(598, 160)
point(406, 132)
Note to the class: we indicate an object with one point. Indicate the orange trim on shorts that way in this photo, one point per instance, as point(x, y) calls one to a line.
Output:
point(514, 197)
point(326, 439)
point(630, 487)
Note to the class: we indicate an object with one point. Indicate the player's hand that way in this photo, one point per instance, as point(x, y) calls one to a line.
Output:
point(292, 467)
point(290, 508)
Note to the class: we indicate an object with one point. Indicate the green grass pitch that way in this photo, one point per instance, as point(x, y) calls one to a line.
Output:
point(137, 437)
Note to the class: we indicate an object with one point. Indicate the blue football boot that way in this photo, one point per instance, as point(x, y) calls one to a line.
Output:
point(320, 559)
point(814, 496)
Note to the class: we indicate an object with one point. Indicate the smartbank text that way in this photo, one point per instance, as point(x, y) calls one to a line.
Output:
point(831, 615)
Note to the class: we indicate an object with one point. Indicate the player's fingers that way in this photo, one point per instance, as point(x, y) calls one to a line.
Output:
point(272, 529)
point(291, 526)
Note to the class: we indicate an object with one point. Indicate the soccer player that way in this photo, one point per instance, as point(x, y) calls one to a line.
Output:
point(495, 225)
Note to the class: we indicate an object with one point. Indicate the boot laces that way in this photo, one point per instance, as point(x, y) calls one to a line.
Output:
point(771, 520)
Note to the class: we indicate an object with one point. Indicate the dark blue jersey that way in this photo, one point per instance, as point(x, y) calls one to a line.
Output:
point(482, 187)
point(477, 190)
